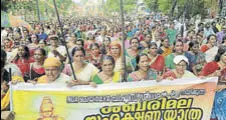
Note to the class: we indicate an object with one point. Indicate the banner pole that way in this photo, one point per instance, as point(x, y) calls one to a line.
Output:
point(64, 42)
point(123, 42)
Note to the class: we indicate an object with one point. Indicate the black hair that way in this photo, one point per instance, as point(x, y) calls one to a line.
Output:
point(2, 64)
point(109, 39)
point(54, 38)
point(200, 24)
point(3, 54)
point(191, 44)
point(43, 41)
point(224, 38)
point(36, 35)
point(220, 52)
point(163, 39)
point(94, 44)
point(138, 60)
point(27, 53)
point(179, 40)
point(152, 44)
point(208, 38)
point(191, 31)
point(81, 40)
point(75, 49)
point(132, 39)
point(42, 51)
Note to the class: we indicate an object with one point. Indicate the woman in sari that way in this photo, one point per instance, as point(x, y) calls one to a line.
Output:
point(199, 57)
point(8, 45)
point(84, 71)
point(107, 75)
point(95, 55)
point(106, 45)
point(180, 71)
point(23, 59)
point(115, 52)
point(211, 42)
point(165, 49)
point(217, 68)
point(131, 54)
point(36, 68)
point(34, 45)
point(143, 70)
point(157, 61)
point(9, 49)
point(42, 44)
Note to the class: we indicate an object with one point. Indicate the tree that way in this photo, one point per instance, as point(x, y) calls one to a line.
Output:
point(178, 8)
point(113, 5)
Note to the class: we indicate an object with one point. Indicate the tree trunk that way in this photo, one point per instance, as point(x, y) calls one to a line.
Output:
point(220, 6)
point(174, 4)
point(156, 5)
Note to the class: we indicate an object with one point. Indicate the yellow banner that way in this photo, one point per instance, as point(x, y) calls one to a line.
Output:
point(182, 99)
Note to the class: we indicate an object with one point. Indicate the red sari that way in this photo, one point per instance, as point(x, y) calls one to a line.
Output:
point(212, 67)
point(204, 48)
point(158, 64)
point(24, 65)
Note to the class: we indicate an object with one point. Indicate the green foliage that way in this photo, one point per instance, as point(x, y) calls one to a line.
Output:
point(188, 7)
point(114, 5)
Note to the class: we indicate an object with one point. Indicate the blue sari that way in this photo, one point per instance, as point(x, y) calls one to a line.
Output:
point(219, 106)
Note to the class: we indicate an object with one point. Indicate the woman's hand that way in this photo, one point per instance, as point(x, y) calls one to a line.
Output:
point(14, 82)
point(170, 78)
point(202, 77)
point(33, 81)
point(159, 78)
point(93, 84)
point(72, 83)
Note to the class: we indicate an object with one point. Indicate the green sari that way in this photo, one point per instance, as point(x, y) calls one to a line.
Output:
point(115, 79)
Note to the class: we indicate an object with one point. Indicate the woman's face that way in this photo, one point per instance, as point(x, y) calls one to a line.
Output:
point(179, 47)
point(95, 50)
point(107, 66)
point(144, 44)
point(115, 51)
point(195, 48)
point(78, 56)
point(7, 43)
point(143, 63)
point(153, 50)
point(223, 58)
point(212, 40)
point(148, 38)
point(106, 42)
point(21, 51)
point(181, 67)
point(34, 39)
point(38, 56)
point(165, 43)
point(134, 44)
point(41, 44)
point(91, 37)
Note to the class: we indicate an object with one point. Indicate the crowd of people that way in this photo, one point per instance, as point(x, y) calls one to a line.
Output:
point(154, 49)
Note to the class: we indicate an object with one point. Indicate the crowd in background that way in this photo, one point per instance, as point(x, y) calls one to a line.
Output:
point(155, 49)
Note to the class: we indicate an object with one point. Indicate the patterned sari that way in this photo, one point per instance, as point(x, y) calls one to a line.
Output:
point(135, 76)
